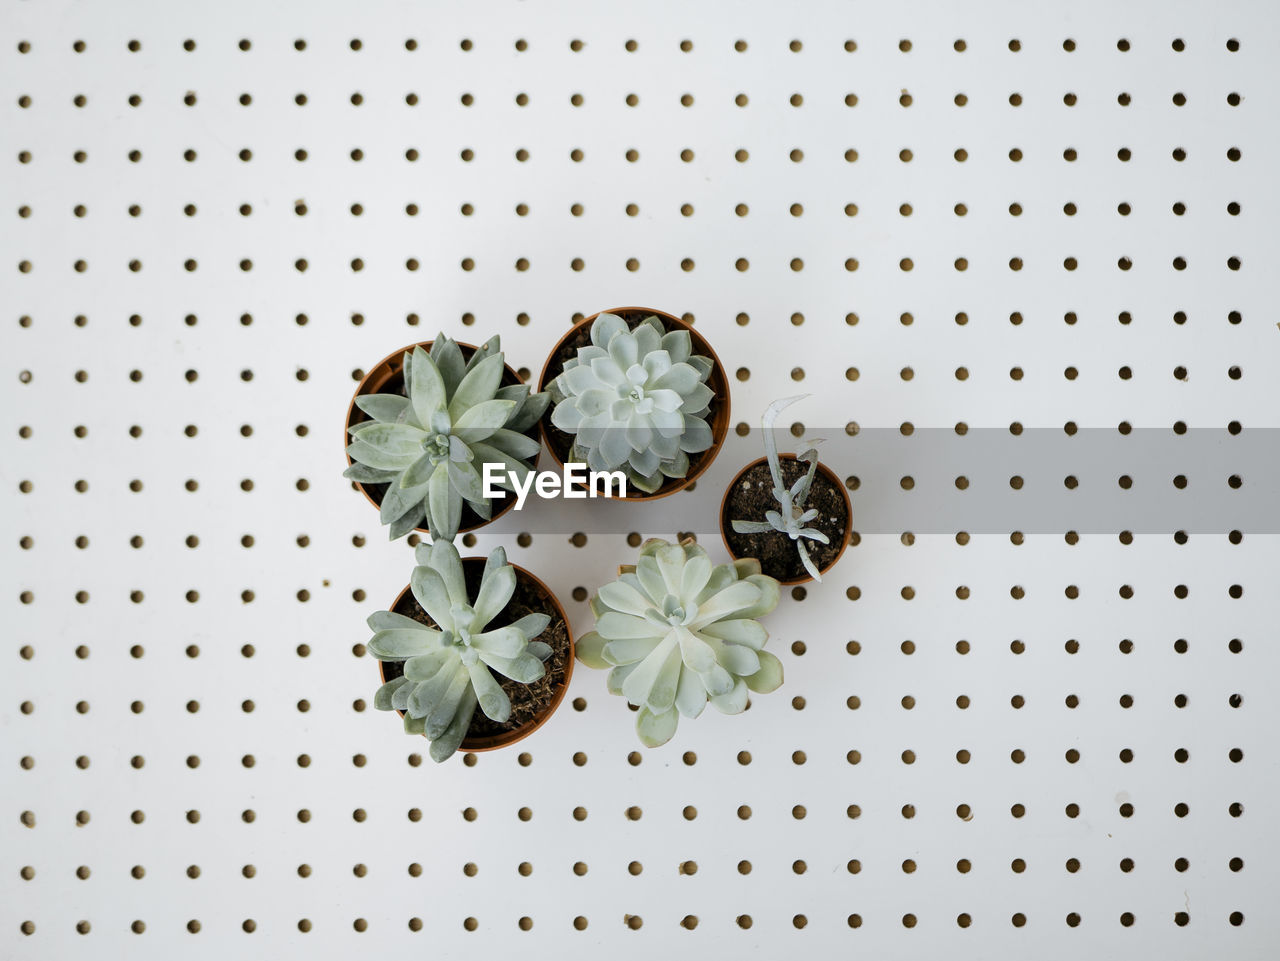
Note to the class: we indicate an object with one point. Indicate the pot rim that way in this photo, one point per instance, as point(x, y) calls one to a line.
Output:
point(719, 425)
point(494, 742)
point(831, 476)
point(383, 367)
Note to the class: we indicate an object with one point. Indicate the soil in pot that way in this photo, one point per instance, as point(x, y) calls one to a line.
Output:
point(531, 704)
point(561, 444)
point(751, 495)
point(394, 384)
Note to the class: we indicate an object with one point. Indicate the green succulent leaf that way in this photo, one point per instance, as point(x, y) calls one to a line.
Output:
point(382, 699)
point(385, 408)
point(656, 730)
point(444, 746)
point(478, 387)
point(589, 649)
point(398, 643)
point(428, 393)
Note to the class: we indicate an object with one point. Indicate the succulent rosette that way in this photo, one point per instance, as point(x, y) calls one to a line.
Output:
point(676, 632)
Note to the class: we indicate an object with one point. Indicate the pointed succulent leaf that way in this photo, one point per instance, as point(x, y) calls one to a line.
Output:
point(399, 643)
point(697, 654)
point(427, 695)
point(539, 649)
point(464, 479)
point(517, 445)
point(531, 625)
point(426, 666)
point(428, 392)
point(616, 626)
point(734, 701)
point(662, 695)
point(365, 453)
point(590, 650)
point(444, 504)
point(444, 746)
point(496, 588)
point(442, 713)
point(526, 668)
point(530, 412)
point(386, 620)
point(410, 520)
point(478, 387)
point(364, 474)
point(624, 598)
point(430, 591)
point(807, 561)
point(738, 659)
point(640, 683)
point(734, 598)
point(656, 729)
point(628, 650)
point(717, 681)
point(691, 696)
point(770, 594)
point(488, 454)
point(504, 642)
point(385, 408)
point(739, 630)
point(382, 699)
point(493, 699)
point(448, 359)
point(752, 527)
point(769, 677)
point(618, 676)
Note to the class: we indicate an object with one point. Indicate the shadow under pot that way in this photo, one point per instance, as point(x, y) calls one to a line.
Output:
point(750, 495)
point(531, 704)
point(560, 443)
point(387, 377)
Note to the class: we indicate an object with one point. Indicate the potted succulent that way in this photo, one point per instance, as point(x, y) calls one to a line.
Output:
point(791, 513)
point(640, 391)
point(677, 632)
point(422, 425)
point(467, 633)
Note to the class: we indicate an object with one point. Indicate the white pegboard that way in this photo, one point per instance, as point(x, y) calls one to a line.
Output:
point(130, 709)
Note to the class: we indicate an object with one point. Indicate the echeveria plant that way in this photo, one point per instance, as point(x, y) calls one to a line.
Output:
point(430, 445)
point(635, 400)
point(677, 631)
point(448, 668)
point(791, 515)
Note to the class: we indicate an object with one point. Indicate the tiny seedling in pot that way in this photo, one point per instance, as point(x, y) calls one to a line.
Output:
point(448, 669)
point(636, 400)
point(429, 445)
point(677, 632)
point(791, 516)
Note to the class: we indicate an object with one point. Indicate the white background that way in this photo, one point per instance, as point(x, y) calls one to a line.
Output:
point(636, 898)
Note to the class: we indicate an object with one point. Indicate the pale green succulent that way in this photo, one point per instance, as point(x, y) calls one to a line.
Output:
point(791, 515)
point(430, 446)
point(635, 400)
point(448, 669)
point(677, 632)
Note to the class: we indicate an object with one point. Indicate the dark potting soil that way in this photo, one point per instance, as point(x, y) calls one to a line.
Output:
point(470, 519)
point(560, 442)
point(752, 495)
point(529, 702)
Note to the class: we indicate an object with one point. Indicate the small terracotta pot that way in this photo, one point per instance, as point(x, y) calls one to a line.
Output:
point(823, 471)
point(560, 443)
point(505, 739)
point(386, 376)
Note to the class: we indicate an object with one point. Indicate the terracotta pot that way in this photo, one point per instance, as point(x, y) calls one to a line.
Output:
point(386, 376)
point(506, 738)
point(823, 471)
point(560, 443)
